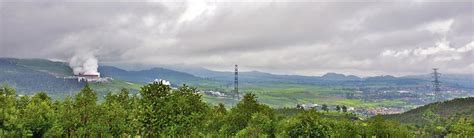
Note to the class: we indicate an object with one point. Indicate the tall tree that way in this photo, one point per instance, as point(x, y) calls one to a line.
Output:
point(68, 118)
point(186, 111)
point(115, 115)
point(178, 112)
point(135, 115)
point(325, 107)
point(383, 128)
point(8, 110)
point(154, 97)
point(344, 108)
point(85, 104)
point(39, 115)
point(216, 119)
point(259, 125)
point(240, 115)
point(306, 124)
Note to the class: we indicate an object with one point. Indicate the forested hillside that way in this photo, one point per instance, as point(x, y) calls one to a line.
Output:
point(30, 76)
point(149, 75)
point(446, 111)
point(159, 110)
point(440, 118)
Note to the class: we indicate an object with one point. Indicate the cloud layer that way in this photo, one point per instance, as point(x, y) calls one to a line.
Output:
point(309, 38)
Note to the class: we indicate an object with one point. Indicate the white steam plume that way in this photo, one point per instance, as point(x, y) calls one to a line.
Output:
point(85, 63)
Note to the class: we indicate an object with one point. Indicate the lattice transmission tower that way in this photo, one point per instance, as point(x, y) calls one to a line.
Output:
point(236, 84)
point(436, 83)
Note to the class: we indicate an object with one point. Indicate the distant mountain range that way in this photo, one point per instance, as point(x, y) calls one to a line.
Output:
point(332, 79)
point(32, 75)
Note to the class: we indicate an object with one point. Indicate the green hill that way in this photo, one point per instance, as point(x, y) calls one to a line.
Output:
point(146, 76)
point(29, 76)
point(450, 110)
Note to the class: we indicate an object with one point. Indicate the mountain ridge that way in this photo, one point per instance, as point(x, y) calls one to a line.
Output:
point(197, 76)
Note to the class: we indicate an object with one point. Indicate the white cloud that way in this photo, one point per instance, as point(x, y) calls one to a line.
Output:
point(440, 27)
point(195, 9)
point(441, 52)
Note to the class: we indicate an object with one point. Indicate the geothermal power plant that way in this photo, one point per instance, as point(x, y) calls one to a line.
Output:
point(85, 69)
point(88, 77)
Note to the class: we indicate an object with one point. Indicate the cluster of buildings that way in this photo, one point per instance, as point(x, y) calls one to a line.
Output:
point(380, 110)
point(214, 93)
point(361, 111)
point(308, 106)
point(89, 77)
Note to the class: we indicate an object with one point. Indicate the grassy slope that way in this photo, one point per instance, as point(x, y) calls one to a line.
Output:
point(114, 86)
point(446, 110)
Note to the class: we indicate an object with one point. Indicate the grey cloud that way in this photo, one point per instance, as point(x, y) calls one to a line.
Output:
point(298, 38)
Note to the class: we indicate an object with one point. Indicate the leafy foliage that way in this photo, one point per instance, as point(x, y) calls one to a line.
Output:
point(167, 112)
point(159, 110)
point(440, 119)
point(306, 124)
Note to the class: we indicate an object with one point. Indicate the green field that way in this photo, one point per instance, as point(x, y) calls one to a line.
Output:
point(288, 95)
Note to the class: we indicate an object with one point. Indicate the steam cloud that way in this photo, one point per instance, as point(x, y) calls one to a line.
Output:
point(85, 63)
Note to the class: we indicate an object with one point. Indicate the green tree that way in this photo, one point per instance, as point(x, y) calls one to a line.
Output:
point(21, 105)
point(259, 125)
point(216, 119)
point(39, 115)
point(186, 111)
point(325, 108)
point(134, 116)
point(68, 118)
point(166, 112)
point(240, 115)
point(436, 123)
point(338, 108)
point(464, 127)
point(348, 128)
point(382, 128)
point(344, 108)
point(115, 114)
point(86, 108)
point(306, 124)
point(8, 111)
point(154, 98)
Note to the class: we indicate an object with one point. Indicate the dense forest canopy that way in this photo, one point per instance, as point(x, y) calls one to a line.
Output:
point(159, 110)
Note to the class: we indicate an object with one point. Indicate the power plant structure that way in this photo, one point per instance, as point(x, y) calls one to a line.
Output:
point(436, 83)
point(88, 77)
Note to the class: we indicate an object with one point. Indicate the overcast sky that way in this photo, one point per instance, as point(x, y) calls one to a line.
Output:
point(306, 38)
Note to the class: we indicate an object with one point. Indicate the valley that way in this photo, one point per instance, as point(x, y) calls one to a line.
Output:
point(369, 95)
